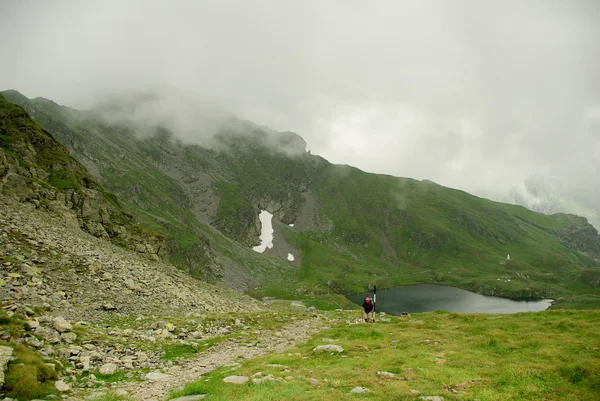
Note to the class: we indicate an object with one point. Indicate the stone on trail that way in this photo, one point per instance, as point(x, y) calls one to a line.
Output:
point(5, 357)
point(236, 379)
point(157, 376)
point(328, 348)
point(360, 390)
point(108, 368)
point(194, 397)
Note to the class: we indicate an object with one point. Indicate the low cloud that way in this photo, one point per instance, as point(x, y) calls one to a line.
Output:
point(473, 95)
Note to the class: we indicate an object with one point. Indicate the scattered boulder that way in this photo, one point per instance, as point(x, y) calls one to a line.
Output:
point(48, 334)
point(432, 398)
point(32, 324)
point(108, 369)
point(68, 337)
point(360, 390)
point(385, 374)
point(313, 381)
point(236, 379)
point(62, 387)
point(328, 348)
point(61, 325)
point(269, 377)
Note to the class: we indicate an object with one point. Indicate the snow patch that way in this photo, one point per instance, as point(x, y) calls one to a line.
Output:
point(266, 232)
point(290, 257)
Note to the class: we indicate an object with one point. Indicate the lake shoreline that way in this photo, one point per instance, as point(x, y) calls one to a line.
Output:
point(430, 297)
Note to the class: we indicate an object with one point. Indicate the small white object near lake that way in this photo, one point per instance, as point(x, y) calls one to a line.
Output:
point(266, 232)
point(290, 257)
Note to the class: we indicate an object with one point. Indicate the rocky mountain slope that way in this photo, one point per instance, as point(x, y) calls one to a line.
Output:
point(36, 168)
point(83, 288)
point(346, 228)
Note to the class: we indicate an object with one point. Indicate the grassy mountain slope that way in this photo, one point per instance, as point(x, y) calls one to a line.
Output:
point(351, 228)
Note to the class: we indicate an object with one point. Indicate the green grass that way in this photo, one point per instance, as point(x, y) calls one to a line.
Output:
point(28, 376)
point(174, 351)
point(118, 376)
point(552, 355)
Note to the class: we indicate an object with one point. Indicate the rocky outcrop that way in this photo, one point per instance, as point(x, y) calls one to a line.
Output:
point(579, 235)
point(36, 168)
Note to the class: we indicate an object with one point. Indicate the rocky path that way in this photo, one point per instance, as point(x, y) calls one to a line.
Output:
point(226, 353)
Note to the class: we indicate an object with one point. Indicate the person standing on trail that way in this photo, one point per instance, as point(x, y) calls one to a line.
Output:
point(368, 307)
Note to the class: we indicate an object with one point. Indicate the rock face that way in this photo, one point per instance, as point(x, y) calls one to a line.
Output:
point(36, 168)
point(5, 356)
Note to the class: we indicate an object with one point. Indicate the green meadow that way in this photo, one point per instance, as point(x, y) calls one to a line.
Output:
point(551, 355)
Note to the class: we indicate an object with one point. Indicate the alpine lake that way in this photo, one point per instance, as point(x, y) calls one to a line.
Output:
point(432, 297)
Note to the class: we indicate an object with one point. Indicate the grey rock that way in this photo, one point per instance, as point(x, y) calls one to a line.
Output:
point(130, 284)
point(431, 398)
point(313, 381)
point(85, 363)
point(360, 390)
point(32, 324)
point(328, 348)
point(267, 378)
point(62, 387)
point(108, 369)
point(236, 379)
point(385, 374)
point(61, 325)
point(48, 334)
point(68, 337)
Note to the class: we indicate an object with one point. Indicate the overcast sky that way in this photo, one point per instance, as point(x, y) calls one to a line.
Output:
point(476, 95)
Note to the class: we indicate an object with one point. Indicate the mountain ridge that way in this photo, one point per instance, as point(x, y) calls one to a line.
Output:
point(351, 228)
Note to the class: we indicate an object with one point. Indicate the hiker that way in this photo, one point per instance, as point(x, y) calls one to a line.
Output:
point(368, 307)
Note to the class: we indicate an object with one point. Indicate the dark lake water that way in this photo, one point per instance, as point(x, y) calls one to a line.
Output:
point(431, 297)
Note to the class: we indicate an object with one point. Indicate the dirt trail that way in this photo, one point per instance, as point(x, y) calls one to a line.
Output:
point(223, 354)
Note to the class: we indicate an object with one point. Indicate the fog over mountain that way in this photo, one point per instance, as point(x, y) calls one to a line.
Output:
point(499, 98)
